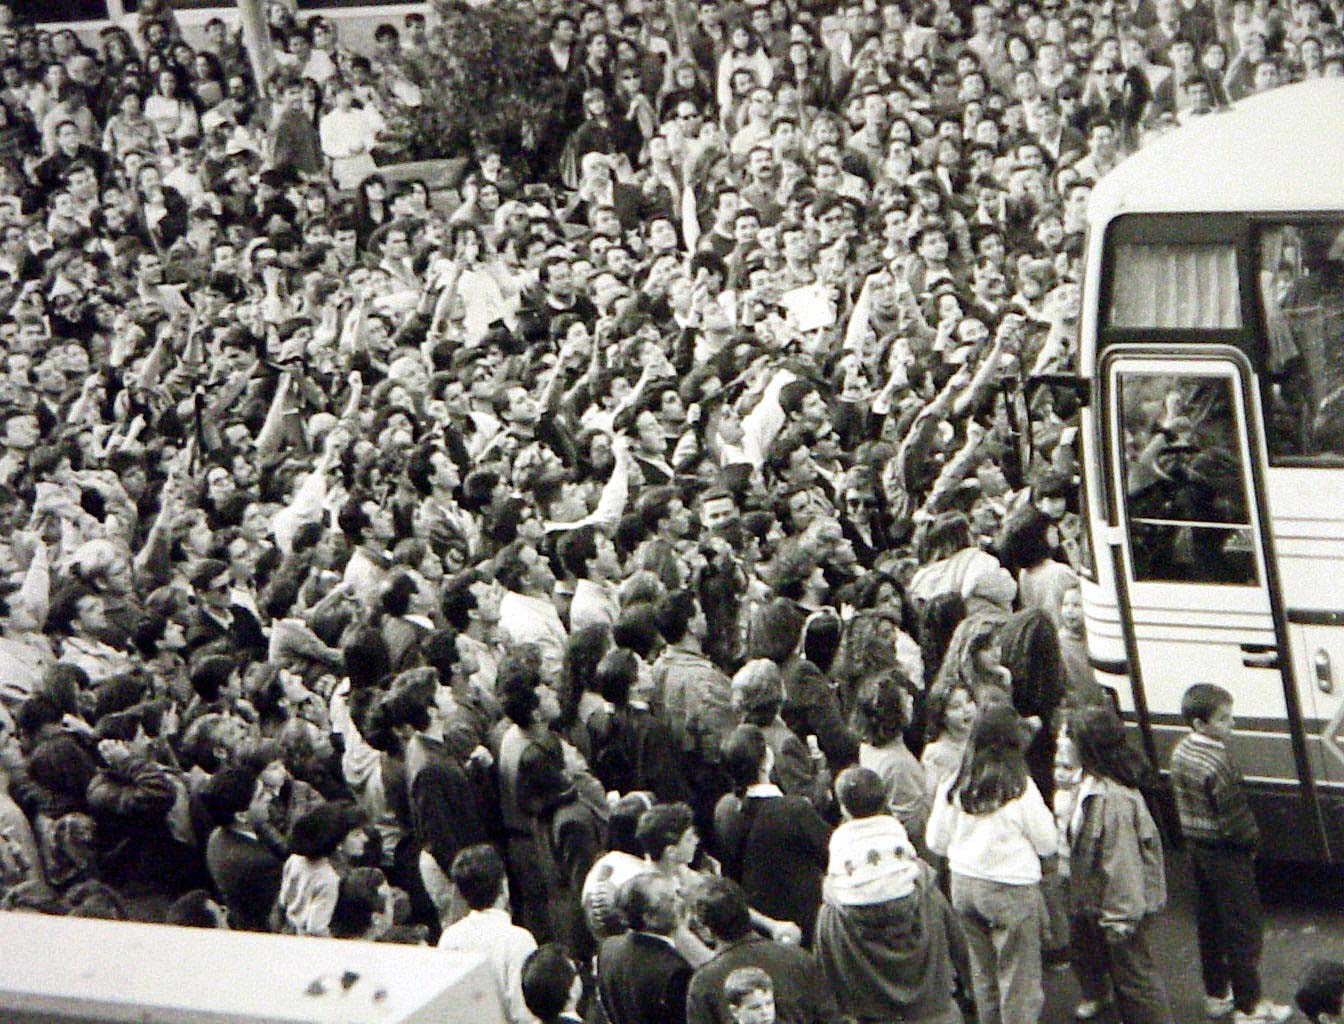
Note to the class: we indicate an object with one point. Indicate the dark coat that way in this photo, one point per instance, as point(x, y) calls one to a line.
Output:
point(246, 873)
point(812, 708)
point(208, 635)
point(446, 811)
point(784, 857)
point(137, 853)
point(642, 980)
point(802, 993)
point(894, 960)
point(637, 750)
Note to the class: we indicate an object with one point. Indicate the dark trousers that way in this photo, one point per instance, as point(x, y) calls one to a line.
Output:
point(1126, 967)
point(527, 886)
point(1227, 916)
point(404, 873)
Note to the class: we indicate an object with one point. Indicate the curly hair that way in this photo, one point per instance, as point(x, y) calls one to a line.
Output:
point(662, 826)
point(881, 712)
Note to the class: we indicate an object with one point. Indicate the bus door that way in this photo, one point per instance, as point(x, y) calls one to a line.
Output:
point(1198, 592)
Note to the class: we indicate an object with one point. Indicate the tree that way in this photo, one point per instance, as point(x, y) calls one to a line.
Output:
point(485, 83)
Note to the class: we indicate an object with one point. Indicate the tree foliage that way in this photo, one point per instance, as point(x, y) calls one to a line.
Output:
point(484, 83)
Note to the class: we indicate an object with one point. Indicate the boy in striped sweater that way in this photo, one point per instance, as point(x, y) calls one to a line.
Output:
point(1222, 837)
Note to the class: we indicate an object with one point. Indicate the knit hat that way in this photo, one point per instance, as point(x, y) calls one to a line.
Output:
point(871, 861)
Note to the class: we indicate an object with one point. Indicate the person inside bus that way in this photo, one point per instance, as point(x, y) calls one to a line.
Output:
point(1312, 308)
point(1188, 471)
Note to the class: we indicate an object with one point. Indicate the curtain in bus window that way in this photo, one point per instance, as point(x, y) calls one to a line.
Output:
point(1178, 286)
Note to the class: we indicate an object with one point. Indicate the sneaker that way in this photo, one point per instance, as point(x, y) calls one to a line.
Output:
point(1088, 1009)
point(1218, 1006)
point(1265, 1012)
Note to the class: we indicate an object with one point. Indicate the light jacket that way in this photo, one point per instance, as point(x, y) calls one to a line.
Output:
point(1116, 867)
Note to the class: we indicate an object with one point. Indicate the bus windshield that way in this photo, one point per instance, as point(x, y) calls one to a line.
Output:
point(1301, 267)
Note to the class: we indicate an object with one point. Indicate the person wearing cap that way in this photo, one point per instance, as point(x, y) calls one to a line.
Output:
point(887, 940)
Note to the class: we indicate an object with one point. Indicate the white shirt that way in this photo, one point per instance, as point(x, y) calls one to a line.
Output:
point(1003, 846)
point(485, 302)
point(363, 574)
point(594, 604)
point(505, 945)
point(534, 620)
point(613, 869)
point(350, 132)
point(762, 425)
point(320, 67)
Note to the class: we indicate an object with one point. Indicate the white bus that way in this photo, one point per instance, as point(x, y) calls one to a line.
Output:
point(1211, 349)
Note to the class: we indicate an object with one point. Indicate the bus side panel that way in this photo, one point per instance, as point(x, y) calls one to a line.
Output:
point(1278, 812)
point(1306, 515)
point(1306, 509)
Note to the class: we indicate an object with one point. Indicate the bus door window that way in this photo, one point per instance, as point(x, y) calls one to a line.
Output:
point(1302, 295)
point(1185, 486)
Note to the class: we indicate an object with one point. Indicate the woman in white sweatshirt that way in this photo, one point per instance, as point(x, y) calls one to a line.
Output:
point(993, 826)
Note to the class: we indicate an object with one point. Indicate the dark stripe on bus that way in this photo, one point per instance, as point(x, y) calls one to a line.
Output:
point(1244, 723)
point(1314, 617)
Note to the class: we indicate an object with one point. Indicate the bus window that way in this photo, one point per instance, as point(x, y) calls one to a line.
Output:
point(69, 11)
point(1185, 487)
point(1301, 269)
point(1184, 286)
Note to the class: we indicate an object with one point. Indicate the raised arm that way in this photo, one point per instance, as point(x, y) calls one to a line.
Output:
point(1009, 330)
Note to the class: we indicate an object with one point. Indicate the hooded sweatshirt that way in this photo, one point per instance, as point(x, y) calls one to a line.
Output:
point(895, 960)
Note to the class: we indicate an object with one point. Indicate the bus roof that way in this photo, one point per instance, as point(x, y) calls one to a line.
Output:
point(1280, 150)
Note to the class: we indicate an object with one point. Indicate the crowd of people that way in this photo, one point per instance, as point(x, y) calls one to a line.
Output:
point(665, 560)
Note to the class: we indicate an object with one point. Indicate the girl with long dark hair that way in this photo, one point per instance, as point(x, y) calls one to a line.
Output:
point(1029, 650)
point(372, 209)
point(171, 108)
point(991, 823)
